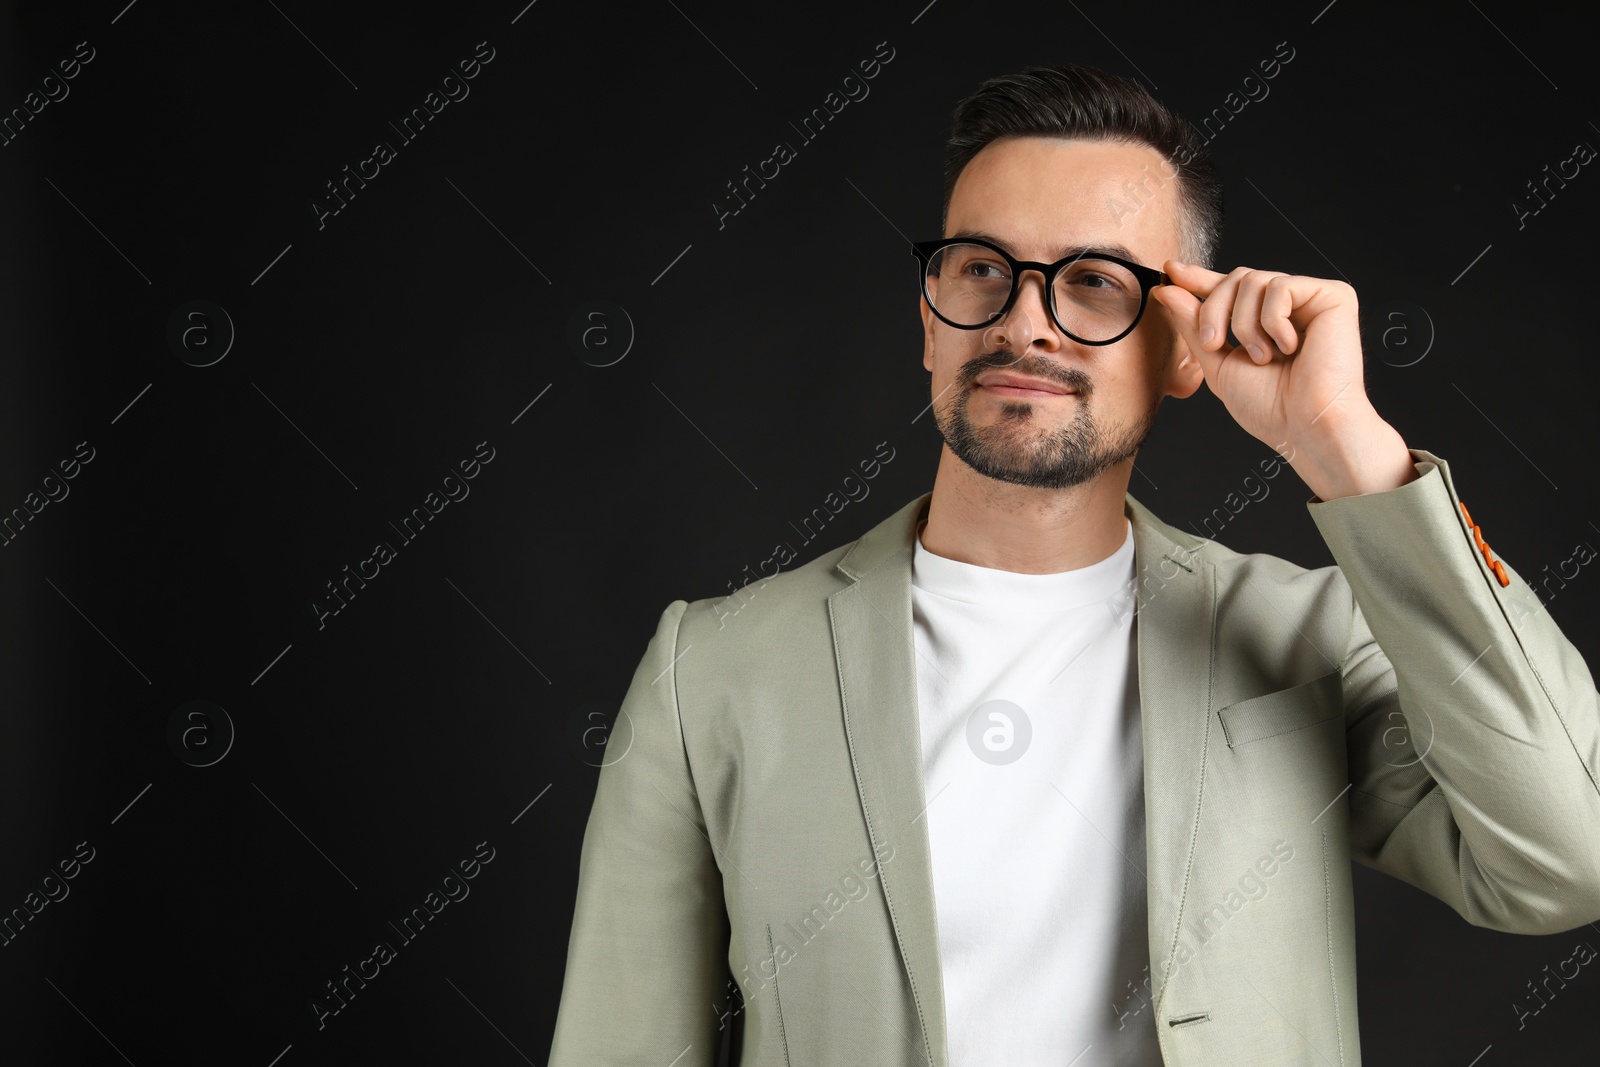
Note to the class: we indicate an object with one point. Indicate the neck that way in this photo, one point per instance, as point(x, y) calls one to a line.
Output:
point(977, 520)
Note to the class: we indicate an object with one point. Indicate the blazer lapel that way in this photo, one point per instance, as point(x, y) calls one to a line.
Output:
point(874, 645)
point(1175, 633)
point(873, 641)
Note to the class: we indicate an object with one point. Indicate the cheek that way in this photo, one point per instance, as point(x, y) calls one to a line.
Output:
point(1147, 362)
point(943, 354)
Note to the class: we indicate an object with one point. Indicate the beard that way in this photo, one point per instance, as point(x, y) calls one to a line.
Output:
point(1025, 445)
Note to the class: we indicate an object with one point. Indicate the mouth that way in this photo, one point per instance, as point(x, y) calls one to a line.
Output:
point(1003, 389)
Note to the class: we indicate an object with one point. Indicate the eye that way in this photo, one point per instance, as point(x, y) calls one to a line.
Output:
point(985, 270)
point(1091, 279)
point(1099, 277)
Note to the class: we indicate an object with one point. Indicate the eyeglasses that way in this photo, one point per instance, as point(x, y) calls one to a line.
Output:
point(1094, 297)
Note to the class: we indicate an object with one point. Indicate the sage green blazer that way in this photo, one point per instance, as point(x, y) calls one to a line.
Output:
point(759, 813)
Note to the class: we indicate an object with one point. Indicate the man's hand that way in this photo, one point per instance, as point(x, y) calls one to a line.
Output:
point(1295, 383)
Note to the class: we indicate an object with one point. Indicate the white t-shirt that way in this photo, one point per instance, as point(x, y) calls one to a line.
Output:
point(1033, 762)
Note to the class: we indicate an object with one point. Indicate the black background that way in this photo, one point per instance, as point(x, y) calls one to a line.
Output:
point(771, 355)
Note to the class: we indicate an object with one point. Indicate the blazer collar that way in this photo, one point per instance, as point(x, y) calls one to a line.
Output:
point(1175, 587)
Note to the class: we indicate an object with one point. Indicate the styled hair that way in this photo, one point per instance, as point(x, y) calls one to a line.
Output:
point(1068, 100)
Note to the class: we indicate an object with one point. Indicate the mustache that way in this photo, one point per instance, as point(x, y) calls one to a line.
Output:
point(1067, 377)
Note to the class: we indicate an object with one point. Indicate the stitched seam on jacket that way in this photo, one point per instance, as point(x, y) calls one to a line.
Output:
point(1210, 573)
point(1338, 712)
point(1327, 916)
point(677, 715)
point(1392, 803)
point(1484, 569)
point(1488, 574)
point(1562, 719)
point(1279, 733)
point(783, 1036)
point(894, 919)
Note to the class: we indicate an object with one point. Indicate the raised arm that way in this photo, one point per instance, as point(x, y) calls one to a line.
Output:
point(1475, 734)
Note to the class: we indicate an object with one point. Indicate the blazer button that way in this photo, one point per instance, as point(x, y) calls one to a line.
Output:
point(1495, 565)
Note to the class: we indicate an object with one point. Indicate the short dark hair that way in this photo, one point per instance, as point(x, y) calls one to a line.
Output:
point(1067, 100)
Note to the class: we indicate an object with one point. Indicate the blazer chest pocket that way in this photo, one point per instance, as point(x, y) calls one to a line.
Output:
point(1284, 711)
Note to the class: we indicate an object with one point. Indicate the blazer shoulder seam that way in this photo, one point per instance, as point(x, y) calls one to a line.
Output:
point(677, 709)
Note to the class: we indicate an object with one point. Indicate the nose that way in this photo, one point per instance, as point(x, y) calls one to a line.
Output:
point(1027, 321)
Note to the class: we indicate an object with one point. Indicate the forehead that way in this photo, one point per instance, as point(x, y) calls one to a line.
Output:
point(1048, 195)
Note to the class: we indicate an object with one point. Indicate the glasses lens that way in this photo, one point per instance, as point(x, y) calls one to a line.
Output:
point(967, 284)
point(1096, 299)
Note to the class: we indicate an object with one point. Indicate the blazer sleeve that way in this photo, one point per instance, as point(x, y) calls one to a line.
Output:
point(1473, 724)
point(647, 955)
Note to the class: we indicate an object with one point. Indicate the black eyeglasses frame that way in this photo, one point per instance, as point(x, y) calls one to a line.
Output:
point(1148, 277)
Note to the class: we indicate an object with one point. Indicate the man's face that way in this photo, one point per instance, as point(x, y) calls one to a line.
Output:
point(1039, 198)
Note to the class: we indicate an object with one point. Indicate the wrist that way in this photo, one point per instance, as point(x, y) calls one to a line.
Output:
point(1354, 457)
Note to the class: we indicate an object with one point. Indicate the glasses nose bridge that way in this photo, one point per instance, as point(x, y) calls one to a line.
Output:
point(1046, 272)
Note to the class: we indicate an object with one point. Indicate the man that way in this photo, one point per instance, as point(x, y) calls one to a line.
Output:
point(1025, 775)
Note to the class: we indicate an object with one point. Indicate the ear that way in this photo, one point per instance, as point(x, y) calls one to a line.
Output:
point(1183, 375)
point(927, 333)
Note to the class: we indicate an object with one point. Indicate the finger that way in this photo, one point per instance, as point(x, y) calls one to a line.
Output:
point(1247, 327)
point(1182, 309)
point(1277, 301)
point(1217, 308)
point(1197, 280)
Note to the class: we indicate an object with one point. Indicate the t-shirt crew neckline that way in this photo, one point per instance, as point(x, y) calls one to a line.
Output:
point(969, 583)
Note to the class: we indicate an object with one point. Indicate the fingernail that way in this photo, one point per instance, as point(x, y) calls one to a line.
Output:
point(1255, 351)
point(1207, 333)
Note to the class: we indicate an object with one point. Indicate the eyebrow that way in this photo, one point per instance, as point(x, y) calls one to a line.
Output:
point(1069, 251)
